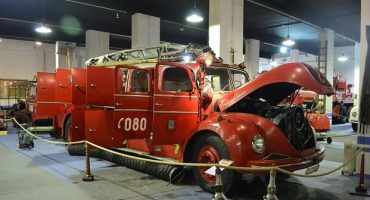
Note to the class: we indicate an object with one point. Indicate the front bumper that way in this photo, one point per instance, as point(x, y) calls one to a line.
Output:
point(291, 163)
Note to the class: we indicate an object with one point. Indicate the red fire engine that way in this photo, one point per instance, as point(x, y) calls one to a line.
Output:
point(199, 111)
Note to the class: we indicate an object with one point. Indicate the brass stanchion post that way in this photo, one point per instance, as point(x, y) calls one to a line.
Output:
point(88, 176)
point(271, 188)
point(219, 195)
point(361, 189)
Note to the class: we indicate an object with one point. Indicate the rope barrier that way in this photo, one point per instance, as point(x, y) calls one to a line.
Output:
point(238, 168)
point(45, 140)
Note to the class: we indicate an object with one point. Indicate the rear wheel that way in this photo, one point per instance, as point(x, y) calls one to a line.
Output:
point(211, 149)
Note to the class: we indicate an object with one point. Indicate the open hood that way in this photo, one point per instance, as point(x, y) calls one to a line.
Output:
point(278, 83)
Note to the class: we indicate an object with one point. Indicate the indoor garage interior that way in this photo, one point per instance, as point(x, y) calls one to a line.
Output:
point(189, 99)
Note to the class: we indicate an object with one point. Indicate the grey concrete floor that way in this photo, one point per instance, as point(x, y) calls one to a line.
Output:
point(48, 172)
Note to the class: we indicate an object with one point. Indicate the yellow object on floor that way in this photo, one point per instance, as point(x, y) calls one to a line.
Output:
point(3, 132)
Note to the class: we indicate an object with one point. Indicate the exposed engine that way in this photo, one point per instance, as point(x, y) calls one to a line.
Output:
point(290, 119)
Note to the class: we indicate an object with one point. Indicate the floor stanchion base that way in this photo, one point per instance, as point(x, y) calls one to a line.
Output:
point(360, 191)
point(88, 178)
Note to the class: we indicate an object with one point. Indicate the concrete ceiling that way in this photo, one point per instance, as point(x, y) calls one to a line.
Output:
point(264, 20)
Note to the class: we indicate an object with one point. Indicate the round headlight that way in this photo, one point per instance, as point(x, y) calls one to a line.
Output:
point(354, 114)
point(206, 59)
point(258, 144)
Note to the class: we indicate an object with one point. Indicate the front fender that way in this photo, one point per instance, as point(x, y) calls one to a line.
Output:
point(236, 131)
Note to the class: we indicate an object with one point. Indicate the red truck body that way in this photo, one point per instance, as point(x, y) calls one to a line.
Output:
point(57, 96)
point(166, 111)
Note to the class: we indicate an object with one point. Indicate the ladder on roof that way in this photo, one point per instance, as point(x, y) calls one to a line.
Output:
point(162, 52)
point(322, 65)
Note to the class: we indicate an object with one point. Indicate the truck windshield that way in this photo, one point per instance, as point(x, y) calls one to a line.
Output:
point(221, 80)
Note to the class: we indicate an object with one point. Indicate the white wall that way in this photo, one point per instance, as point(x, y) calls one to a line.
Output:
point(22, 59)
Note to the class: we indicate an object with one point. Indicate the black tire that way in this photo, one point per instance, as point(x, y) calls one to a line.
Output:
point(354, 127)
point(66, 128)
point(229, 177)
point(329, 140)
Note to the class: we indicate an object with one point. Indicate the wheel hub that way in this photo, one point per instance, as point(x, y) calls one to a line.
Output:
point(207, 154)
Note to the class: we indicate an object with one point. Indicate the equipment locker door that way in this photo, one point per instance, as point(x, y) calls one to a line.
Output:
point(176, 107)
point(78, 86)
point(46, 103)
point(99, 127)
point(133, 108)
point(77, 131)
point(63, 90)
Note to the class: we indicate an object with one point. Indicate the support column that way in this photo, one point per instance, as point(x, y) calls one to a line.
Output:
point(327, 40)
point(252, 57)
point(294, 55)
point(226, 29)
point(145, 30)
point(97, 43)
point(363, 139)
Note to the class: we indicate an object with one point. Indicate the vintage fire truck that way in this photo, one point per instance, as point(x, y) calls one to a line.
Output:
point(199, 111)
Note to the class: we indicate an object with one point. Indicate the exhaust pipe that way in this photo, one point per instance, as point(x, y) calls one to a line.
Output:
point(173, 174)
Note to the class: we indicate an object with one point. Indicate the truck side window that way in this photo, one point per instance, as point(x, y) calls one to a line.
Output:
point(239, 78)
point(176, 79)
point(139, 81)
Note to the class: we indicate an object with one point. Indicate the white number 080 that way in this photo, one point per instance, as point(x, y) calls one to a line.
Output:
point(134, 124)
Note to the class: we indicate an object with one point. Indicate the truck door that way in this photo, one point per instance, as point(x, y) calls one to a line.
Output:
point(176, 107)
point(133, 103)
point(100, 86)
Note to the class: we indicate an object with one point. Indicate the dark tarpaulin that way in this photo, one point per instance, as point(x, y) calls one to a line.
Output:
point(365, 92)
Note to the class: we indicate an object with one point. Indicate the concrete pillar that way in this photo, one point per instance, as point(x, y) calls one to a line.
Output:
point(294, 55)
point(252, 56)
point(97, 43)
point(145, 30)
point(226, 29)
point(64, 54)
point(327, 38)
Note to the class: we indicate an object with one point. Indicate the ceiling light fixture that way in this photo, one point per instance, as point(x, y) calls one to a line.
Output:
point(194, 15)
point(42, 28)
point(288, 42)
point(342, 58)
point(38, 43)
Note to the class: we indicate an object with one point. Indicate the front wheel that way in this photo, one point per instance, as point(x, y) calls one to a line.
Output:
point(211, 149)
